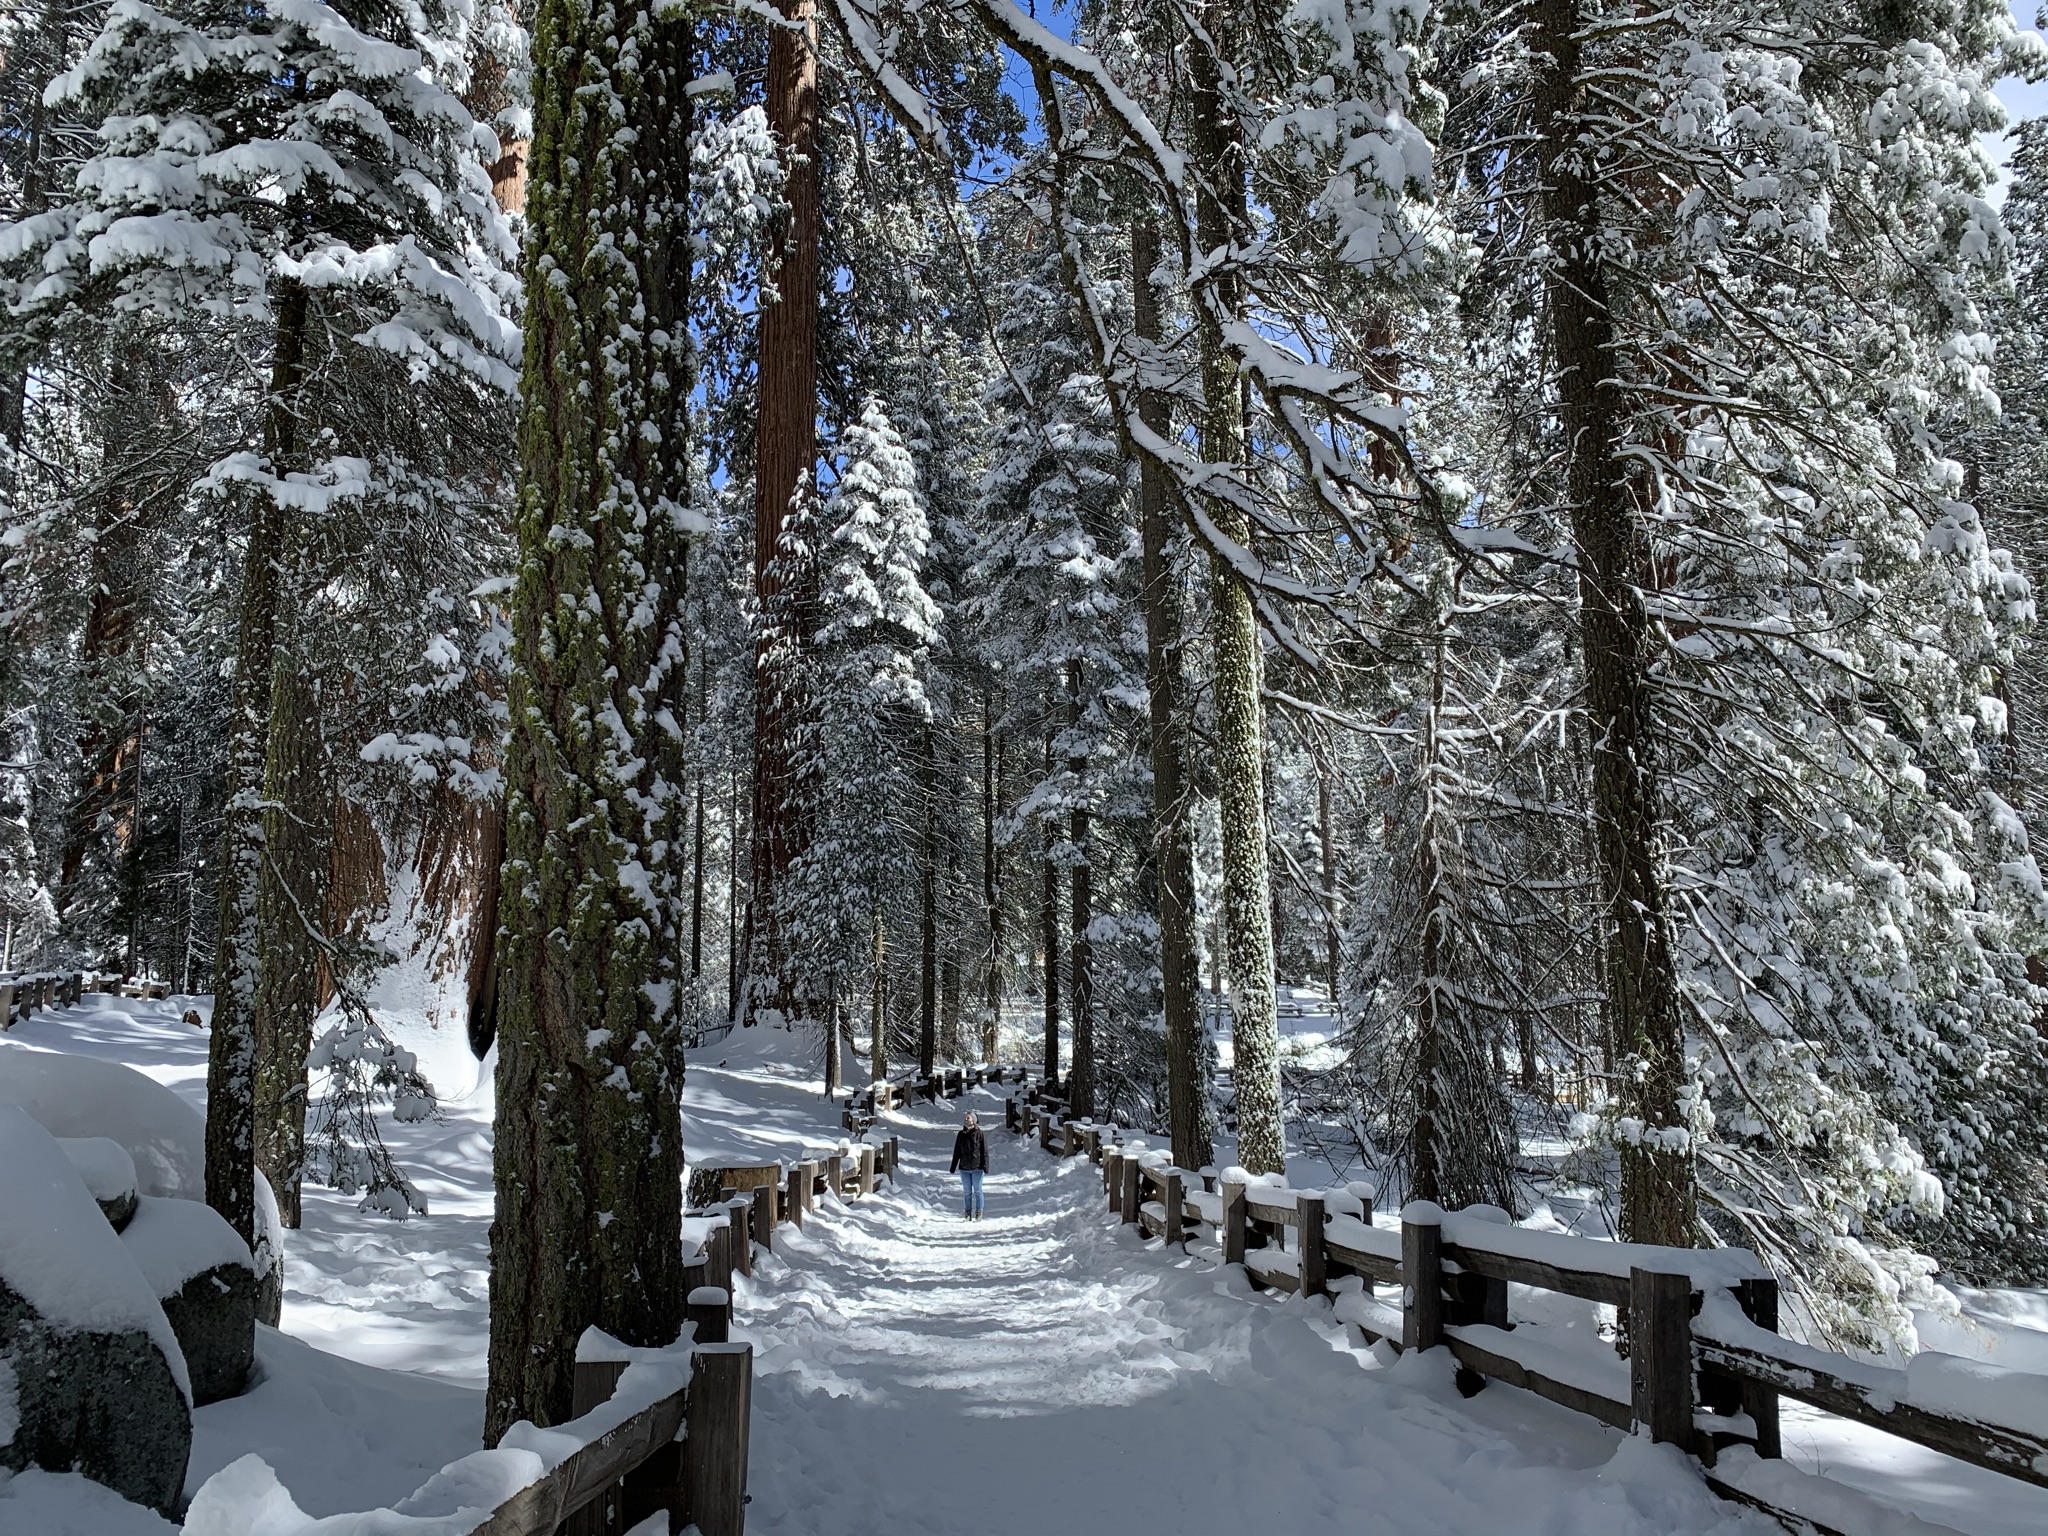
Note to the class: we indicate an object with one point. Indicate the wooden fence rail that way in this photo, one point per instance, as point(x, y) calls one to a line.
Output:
point(685, 1452)
point(1706, 1366)
point(22, 993)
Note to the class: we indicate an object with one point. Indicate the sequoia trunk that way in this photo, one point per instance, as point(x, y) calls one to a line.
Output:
point(588, 1150)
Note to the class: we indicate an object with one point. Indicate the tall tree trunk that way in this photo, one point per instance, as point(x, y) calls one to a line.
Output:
point(928, 912)
point(1221, 214)
point(949, 950)
point(878, 1011)
point(231, 1051)
point(835, 1071)
point(1326, 835)
point(697, 834)
point(734, 955)
point(785, 457)
point(1427, 1135)
point(136, 418)
point(991, 881)
point(298, 833)
point(589, 1139)
point(1081, 904)
point(1049, 936)
point(1642, 1009)
point(1166, 688)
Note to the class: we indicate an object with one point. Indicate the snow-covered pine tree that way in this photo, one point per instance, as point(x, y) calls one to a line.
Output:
point(1789, 614)
point(317, 185)
point(1053, 613)
point(857, 880)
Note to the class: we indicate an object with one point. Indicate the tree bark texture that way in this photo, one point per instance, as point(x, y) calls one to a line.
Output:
point(588, 1151)
point(231, 1050)
point(1642, 1006)
point(878, 1009)
point(1049, 937)
point(785, 457)
point(291, 904)
point(1220, 213)
point(1081, 912)
point(928, 910)
point(991, 882)
point(1166, 686)
point(114, 646)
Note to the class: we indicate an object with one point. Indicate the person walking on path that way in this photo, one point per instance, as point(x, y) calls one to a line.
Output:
point(970, 1161)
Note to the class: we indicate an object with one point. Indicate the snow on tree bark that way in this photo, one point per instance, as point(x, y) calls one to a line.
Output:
point(1221, 210)
point(588, 1148)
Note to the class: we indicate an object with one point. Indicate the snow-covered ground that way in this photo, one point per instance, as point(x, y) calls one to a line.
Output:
point(916, 1373)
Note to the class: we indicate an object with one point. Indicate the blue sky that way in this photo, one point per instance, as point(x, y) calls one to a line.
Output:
point(2022, 100)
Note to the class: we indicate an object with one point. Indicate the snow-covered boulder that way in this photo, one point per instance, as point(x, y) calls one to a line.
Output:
point(203, 1275)
point(108, 1171)
point(81, 1097)
point(91, 1376)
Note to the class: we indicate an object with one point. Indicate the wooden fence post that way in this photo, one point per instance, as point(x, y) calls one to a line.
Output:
point(1422, 1282)
point(1660, 1354)
point(709, 1309)
point(1173, 1197)
point(1315, 1260)
point(808, 1186)
point(793, 1201)
point(764, 1216)
point(590, 1387)
point(721, 1258)
point(867, 1170)
point(1113, 1178)
point(715, 1448)
point(738, 1210)
point(1233, 1221)
point(6, 1005)
point(1759, 1302)
point(895, 1153)
point(1127, 1206)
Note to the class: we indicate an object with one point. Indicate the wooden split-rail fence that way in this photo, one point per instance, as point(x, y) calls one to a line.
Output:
point(686, 1451)
point(1706, 1366)
point(24, 993)
point(883, 1095)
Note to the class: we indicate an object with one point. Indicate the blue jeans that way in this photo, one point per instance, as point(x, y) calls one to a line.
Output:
point(970, 1190)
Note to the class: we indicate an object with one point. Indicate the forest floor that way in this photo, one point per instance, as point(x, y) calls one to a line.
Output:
point(918, 1373)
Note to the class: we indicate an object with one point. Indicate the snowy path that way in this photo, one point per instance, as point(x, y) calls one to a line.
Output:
point(917, 1373)
point(1040, 1370)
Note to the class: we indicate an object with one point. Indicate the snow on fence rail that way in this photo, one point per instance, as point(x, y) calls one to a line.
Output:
point(1706, 1365)
point(654, 1429)
point(23, 992)
point(883, 1095)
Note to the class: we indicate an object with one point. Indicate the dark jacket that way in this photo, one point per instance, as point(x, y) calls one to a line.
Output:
point(970, 1149)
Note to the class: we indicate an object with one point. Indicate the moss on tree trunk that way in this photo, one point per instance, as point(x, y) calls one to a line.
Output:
point(588, 1153)
point(1221, 213)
